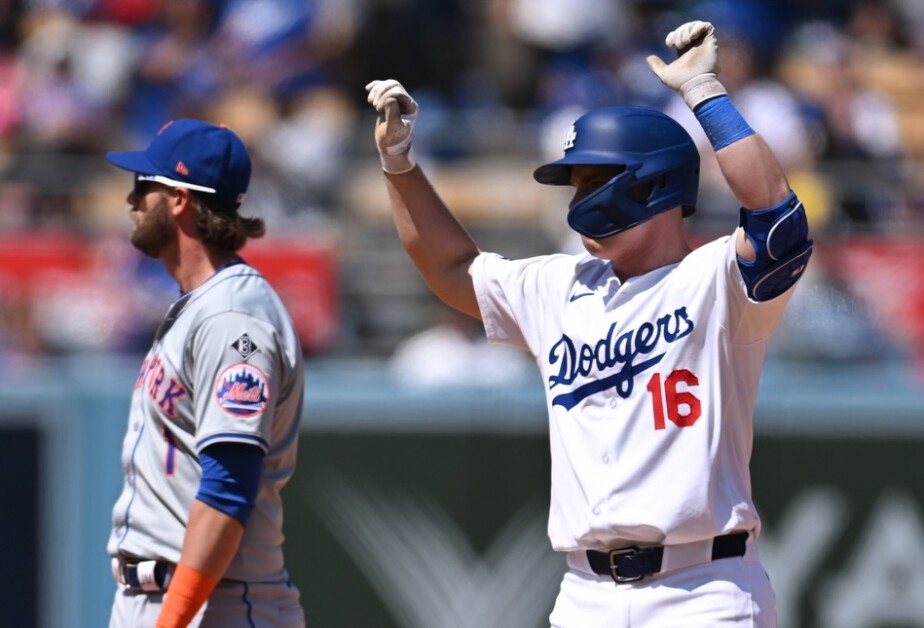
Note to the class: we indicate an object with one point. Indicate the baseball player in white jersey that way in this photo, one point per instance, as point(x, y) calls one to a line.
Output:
point(214, 420)
point(650, 352)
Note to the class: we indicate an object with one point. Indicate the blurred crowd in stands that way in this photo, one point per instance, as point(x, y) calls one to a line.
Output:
point(834, 85)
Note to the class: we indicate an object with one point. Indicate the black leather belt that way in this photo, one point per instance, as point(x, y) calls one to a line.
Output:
point(631, 564)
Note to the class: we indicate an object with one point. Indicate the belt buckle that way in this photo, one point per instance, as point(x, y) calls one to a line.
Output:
point(614, 566)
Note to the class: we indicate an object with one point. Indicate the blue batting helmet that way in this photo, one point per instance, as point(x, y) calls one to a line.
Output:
point(654, 149)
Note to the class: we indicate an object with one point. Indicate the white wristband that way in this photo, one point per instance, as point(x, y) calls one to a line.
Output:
point(700, 88)
point(398, 164)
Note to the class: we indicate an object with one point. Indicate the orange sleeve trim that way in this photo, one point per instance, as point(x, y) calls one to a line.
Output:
point(189, 589)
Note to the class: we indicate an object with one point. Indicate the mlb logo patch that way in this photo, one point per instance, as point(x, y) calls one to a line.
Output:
point(242, 390)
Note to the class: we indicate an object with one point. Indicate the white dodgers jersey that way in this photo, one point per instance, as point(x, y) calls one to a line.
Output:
point(650, 386)
point(225, 366)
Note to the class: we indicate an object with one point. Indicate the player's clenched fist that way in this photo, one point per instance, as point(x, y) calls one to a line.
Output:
point(397, 113)
point(693, 73)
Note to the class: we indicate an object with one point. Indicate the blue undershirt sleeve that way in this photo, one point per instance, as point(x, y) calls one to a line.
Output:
point(231, 478)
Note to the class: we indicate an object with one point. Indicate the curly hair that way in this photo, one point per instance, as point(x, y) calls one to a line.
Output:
point(225, 230)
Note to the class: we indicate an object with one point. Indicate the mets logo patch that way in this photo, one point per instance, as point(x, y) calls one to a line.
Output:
point(242, 390)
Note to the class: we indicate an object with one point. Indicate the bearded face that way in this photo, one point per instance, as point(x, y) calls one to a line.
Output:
point(154, 228)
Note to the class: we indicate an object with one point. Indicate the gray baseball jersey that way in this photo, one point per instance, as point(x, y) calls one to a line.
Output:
point(225, 366)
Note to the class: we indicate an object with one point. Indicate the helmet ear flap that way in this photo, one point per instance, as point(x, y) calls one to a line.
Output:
point(642, 192)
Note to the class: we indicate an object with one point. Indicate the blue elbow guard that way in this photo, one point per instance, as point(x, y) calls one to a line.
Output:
point(780, 237)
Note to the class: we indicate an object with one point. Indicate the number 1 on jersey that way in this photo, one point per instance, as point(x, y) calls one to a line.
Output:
point(170, 457)
point(669, 400)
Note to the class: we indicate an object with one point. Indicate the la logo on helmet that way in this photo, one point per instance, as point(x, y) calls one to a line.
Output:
point(569, 139)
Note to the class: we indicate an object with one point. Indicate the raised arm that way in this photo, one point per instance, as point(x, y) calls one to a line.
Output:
point(773, 244)
point(751, 170)
point(437, 243)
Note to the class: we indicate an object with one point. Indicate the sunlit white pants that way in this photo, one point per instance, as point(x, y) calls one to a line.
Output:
point(726, 593)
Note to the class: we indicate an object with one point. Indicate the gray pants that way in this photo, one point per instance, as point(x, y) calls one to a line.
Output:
point(231, 605)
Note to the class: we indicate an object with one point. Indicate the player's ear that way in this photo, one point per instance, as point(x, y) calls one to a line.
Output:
point(181, 200)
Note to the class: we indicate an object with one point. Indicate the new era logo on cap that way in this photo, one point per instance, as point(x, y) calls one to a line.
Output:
point(197, 155)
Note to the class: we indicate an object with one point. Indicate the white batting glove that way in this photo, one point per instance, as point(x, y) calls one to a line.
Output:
point(693, 73)
point(395, 125)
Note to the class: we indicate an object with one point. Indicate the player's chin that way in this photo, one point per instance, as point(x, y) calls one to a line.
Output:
point(145, 242)
point(594, 246)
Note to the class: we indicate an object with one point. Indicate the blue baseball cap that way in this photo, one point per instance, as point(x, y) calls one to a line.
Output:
point(196, 155)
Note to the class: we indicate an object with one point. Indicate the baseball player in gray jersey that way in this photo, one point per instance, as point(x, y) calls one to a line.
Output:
point(214, 420)
point(650, 351)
